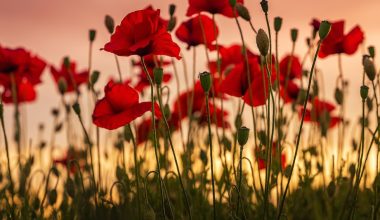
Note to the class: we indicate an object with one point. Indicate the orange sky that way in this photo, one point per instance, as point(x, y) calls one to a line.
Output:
point(54, 29)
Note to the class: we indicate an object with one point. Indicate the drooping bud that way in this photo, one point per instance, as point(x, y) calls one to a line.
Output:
point(243, 12)
point(364, 91)
point(264, 6)
point(277, 24)
point(369, 68)
point(205, 79)
point(110, 24)
point(52, 197)
point(62, 85)
point(158, 74)
point(92, 35)
point(371, 51)
point(262, 42)
point(243, 134)
point(294, 34)
point(76, 108)
point(324, 29)
point(94, 77)
point(172, 8)
point(338, 96)
point(232, 3)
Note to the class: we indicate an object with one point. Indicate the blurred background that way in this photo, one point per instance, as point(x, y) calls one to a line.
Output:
point(54, 29)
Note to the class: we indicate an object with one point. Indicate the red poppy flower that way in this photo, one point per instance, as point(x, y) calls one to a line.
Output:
point(212, 6)
point(229, 57)
point(162, 21)
point(151, 62)
point(142, 33)
point(25, 92)
point(289, 93)
point(21, 64)
point(72, 77)
point(261, 160)
point(119, 107)
point(236, 83)
point(290, 65)
point(190, 31)
point(337, 42)
point(321, 113)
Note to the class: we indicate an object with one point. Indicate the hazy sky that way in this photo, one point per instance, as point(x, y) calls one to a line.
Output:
point(53, 29)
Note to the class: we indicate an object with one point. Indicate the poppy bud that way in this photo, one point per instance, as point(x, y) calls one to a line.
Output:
point(110, 24)
point(62, 85)
point(324, 29)
point(294, 34)
point(94, 77)
point(158, 74)
point(52, 197)
point(243, 12)
point(205, 78)
point(277, 23)
point(233, 3)
point(262, 42)
point(369, 68)
point(167, 112)
point(371, 51)
point(308, 42)
point(238, 121)
point(55, 171)
point(172, 23)
point(338, 96)
point(243, 134)
point(172, 8)
point(76, 108)
point(92, 35)
point(66, 62)
point(364, 92)
point(264, 6)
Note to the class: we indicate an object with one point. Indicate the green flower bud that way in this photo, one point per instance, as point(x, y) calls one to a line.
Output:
point(233, 3)
point(338, 96)
point(76, 108)
point(364, 91)
point(172, 23)
point(243, 134)
point(92, 35)
point(277, 23)
point(264, 6)
point(369, 68)
point(205, 79)
point(110, 24)
point(294, 34)
point(371, 51)
point(94, 77)
point(243, 12)
point(158, 74)
point(324, 29)
point(172, 8)
point(66, 62)
point(262, 42)
point(62, 85)
point(52, 197)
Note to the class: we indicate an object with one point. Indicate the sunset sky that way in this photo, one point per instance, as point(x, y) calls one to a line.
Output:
point(54, 29)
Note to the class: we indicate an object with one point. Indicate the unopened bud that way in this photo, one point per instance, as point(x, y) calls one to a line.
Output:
point(66, 62)
point(92, 35)
point(158, 74)
point(52, 197)
point(262, 42)
point(172, 8)
point(371, 51)
point(243, 134)
point(172, 23)
point(243, 12)
point(294, 34)
point(369, 68)
point(264, 6)
point(277, 23)
point(94, 77)
point(62, 85)
point(232, 3)
point(205, 79)
point(364, 92)
point(110, 24)
point(76, 108)
point(324, 29)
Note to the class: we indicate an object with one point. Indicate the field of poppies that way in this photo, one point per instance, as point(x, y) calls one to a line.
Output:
point(250, 137)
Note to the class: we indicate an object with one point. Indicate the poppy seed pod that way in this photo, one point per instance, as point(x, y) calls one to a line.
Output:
point(76, 108)
point(369, 68)
point(205, 79)
point(158, 74)
point(294, 34)
point(364, 92)
point(277, 23)
point(243, 12)
point(110, 24)
point(264, 6)
point(94, 77)
point(92, 35)
point(232, 3)
point(262, 42)
point(371, 51)
point(324, 29)
point(62, 85)
point(172, 8)
point(243, 134)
